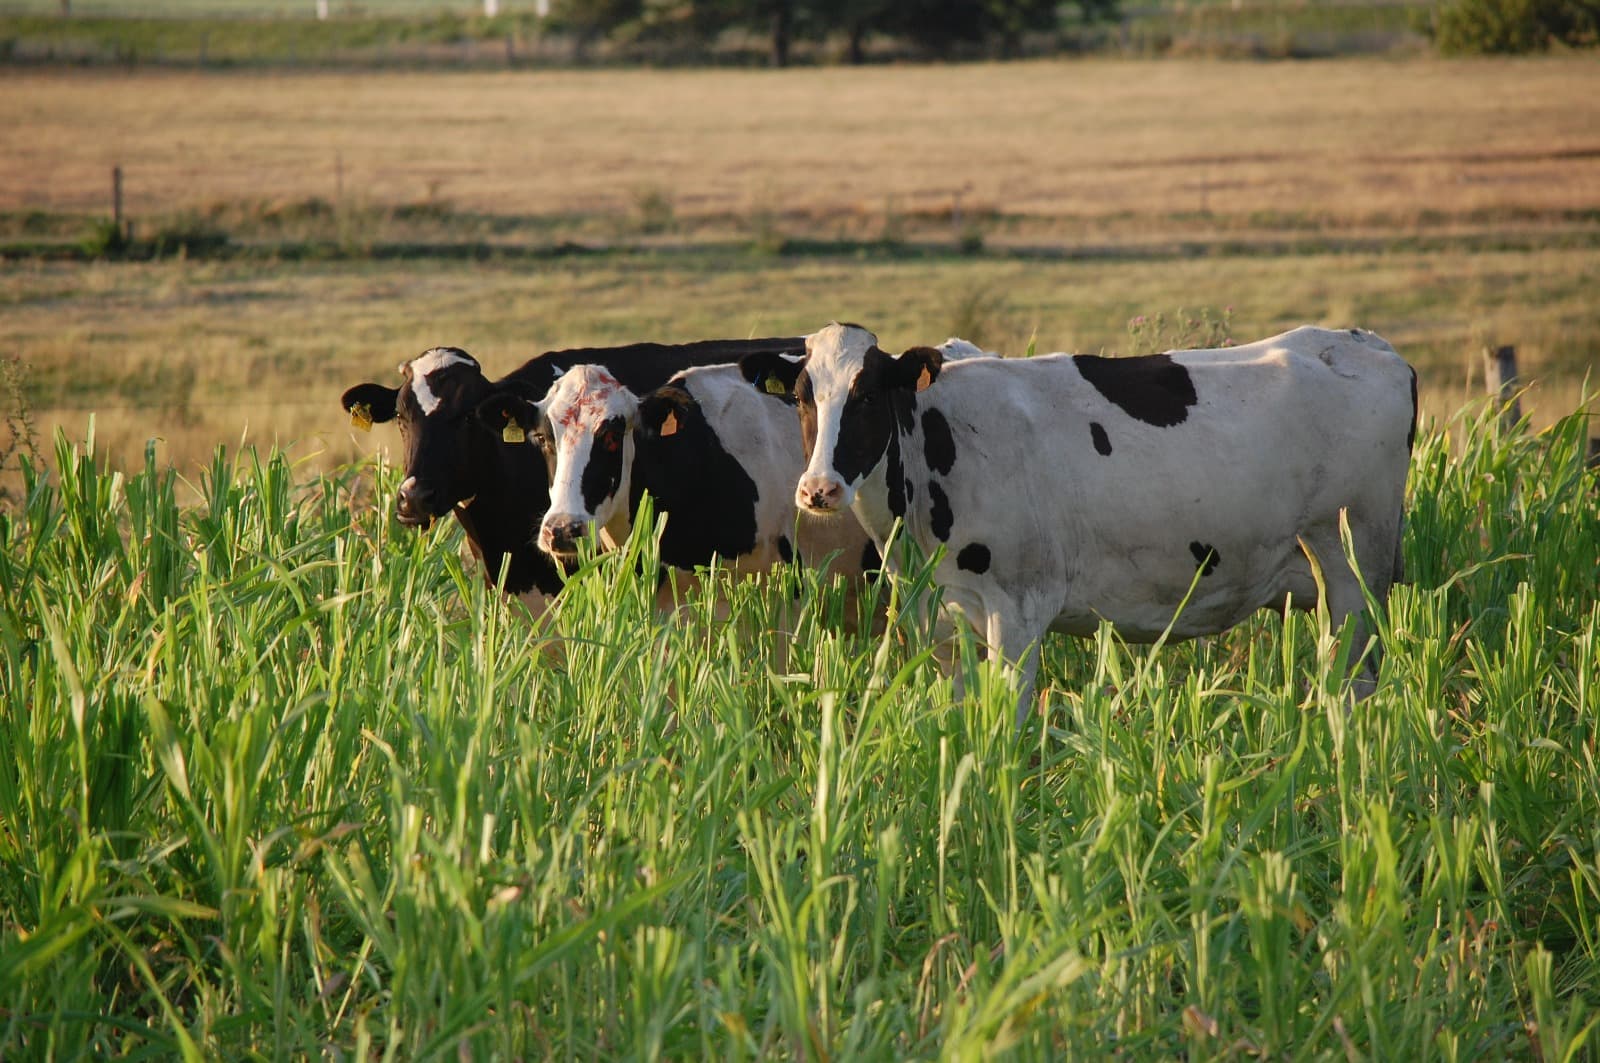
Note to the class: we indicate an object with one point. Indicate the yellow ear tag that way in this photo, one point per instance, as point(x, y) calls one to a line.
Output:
point(774, 386)
point(361, 416)
point(924, 379)
point(670, 425)
point(513, 433)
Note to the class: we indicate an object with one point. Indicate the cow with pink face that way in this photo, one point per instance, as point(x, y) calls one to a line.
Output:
point(718, 457)
point(1175, 492)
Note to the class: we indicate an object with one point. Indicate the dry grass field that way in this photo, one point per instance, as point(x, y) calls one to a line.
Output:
point(1348, 139)
point(1443, 204)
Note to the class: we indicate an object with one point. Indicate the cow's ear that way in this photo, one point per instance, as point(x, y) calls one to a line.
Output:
point(918, 367)
point(369, 404)
point(511, 417)
point(661, 414)
point(772, 373)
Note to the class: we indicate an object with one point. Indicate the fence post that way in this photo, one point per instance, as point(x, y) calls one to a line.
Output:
point(1500, 378)
point(116, 198)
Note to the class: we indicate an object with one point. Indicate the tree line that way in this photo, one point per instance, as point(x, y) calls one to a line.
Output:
point(937, 27)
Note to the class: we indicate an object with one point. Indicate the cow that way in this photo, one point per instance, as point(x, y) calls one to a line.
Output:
point(1171, 495)
point(497, 486)
point(718, 458)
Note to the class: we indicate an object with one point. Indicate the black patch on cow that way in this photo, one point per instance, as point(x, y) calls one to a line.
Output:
point(974, 557)
point(905, 410)
point(1411, 433)
point(785, 549)
point(706, 495)
point(899, 486)
point(1153, 388)
point(1102, 442)
point(911, 493)
point(603, 473)
point(939, 512)
point(876, 406)
point(938, 445)
point(871, 560)
point(1206, 558)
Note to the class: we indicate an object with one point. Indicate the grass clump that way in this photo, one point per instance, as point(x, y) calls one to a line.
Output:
point(277, 776)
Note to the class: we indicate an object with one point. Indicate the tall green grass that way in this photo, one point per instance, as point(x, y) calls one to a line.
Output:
point(278, 780)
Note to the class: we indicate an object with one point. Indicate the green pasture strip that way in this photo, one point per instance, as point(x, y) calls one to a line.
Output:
point(318, 230)
point(250, 37)
point(279, 778)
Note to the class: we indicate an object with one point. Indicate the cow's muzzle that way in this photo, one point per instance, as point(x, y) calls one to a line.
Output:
point(820, 494)
point(413, 505)
point(560, 534)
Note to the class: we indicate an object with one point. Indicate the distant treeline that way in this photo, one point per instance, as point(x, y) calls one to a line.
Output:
point(938, 27)
point(775, 32)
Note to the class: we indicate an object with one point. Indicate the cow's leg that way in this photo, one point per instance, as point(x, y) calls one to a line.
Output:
point(1010, 634)
point(1344, 597)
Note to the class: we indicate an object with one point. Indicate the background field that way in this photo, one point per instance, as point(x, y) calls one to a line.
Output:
point(340, 223)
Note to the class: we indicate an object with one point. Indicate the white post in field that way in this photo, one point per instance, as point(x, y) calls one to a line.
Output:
point(491, 8)
point(322, 10)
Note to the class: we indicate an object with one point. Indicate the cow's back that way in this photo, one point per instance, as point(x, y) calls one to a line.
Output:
point(643, 367)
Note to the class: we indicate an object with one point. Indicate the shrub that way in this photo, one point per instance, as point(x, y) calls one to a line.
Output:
point(1506, 27)
point(105, 239)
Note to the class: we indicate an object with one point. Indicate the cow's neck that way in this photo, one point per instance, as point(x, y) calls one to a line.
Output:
point(500, 524)
point(881, 497)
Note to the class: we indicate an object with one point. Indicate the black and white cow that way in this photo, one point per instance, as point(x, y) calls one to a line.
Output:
point(496, 485)
point(718, 457)
point(1069, 490)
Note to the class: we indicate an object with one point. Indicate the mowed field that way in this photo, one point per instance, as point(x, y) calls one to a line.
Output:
point(281, 779)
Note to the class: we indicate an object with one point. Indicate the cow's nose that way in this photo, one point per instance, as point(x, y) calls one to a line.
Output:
point(819, 494)
point(412, 503)
point(561, 533)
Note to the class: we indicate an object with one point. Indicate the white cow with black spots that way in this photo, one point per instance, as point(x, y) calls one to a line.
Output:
point(1071, 490)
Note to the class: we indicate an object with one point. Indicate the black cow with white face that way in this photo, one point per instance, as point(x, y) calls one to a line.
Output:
point(495, 484)
point(1176, 492)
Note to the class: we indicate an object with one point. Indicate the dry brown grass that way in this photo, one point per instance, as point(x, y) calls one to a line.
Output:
point(1095, 152)
point(201, 353)
point(1341, 138)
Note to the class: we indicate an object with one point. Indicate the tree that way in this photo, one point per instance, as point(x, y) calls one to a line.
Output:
point(1465, 27)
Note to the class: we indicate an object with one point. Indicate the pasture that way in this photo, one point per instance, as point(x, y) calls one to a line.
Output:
point(281, 781)
point(279, 778)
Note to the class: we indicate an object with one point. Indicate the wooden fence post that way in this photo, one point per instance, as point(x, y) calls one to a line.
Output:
point(116, 198)
point(1500, 378)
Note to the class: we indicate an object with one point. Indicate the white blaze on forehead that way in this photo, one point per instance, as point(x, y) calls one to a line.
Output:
point(579, 403)
point(585, 397)
point(834, 359)
point(431, 362)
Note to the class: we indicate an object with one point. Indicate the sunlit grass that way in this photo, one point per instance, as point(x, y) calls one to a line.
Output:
point(278, 779)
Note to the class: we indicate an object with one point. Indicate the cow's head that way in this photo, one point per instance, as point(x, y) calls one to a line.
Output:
point(585, 428)
point(849, 393)
point(439, 393)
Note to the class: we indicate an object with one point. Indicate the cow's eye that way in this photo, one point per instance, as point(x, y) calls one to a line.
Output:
point(541, 440)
